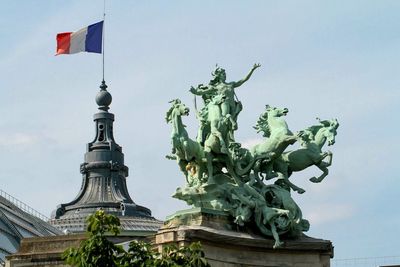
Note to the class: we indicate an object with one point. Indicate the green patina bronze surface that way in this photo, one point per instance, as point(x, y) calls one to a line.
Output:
point(223, 176)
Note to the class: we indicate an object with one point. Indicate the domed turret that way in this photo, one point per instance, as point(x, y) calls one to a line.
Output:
point(104, 181)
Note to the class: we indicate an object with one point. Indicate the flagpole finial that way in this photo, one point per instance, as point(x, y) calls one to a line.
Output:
point(103, 86)
point(103, 98)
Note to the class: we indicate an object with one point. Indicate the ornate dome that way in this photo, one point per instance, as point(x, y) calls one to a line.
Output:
point(104, 182)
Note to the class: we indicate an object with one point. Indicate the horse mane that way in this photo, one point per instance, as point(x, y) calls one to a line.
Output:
point(323, 124)
point(333, 122)
point(169, 112)
point(262, 124)
point(313, 130)
point(168, 115)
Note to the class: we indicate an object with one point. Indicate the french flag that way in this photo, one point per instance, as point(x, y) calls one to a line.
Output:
point(88, 39)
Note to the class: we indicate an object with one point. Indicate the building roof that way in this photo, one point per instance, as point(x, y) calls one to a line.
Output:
point(130, 225)
point(17, 221)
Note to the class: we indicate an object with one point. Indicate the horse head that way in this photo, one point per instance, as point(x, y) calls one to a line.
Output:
point(177, 109)
point(326, 130)
point(331, 131)
point(264, 122)
point(276, 112)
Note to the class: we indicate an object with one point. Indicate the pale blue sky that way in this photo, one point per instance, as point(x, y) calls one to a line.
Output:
point(331, 59)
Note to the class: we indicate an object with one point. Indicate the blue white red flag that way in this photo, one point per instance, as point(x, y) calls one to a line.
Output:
point(88, 39)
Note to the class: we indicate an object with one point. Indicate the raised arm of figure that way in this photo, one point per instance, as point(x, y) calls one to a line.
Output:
point(239, 83)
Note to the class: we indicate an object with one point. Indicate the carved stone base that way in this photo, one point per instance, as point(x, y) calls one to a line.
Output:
point(200, 217)
point(228, 248)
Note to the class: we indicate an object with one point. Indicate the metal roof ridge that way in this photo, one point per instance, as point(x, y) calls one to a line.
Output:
point(22, 206)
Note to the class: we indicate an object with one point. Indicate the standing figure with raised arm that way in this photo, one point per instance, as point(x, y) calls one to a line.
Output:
point(218, 86)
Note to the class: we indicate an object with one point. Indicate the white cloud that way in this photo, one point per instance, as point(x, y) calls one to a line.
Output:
point(18, 139)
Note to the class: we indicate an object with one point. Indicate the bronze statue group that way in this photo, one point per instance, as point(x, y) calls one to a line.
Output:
point(250, 184)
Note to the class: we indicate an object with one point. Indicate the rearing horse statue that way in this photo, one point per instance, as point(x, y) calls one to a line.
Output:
point(185, 150)
point(273, 126)
point(310, 153)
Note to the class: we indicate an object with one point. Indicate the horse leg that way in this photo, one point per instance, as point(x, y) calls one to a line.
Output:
point(186, 150)
point(282, 170)
point(269, 171)
point(323, 166)
point(329, 162)
point(285, 178)
point(293, 186)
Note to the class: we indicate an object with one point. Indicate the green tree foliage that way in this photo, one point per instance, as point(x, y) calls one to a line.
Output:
point(141, 254)
point(97, 250)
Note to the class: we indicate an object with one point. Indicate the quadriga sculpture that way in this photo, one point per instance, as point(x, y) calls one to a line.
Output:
point(222, 175)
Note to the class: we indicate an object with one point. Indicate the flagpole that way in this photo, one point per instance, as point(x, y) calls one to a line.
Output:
point(104, 19)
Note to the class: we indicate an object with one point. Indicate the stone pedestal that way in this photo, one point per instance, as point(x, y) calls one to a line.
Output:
point(226, 247)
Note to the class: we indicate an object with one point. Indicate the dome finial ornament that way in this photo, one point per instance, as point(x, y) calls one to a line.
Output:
point(103, 85)
point(103, 98)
